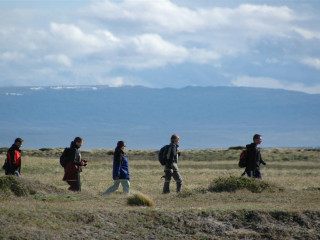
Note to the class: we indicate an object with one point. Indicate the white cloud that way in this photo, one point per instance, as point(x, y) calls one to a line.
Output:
point(71, 36)
point(266, 82)
point(61, 59)
point(12, 56)
point(201, 56)
point(161, 14)
point(112, 82)
point(307, 34)
point(128, 36)
point(154, 51)
point(312, 62)
point(272, 60)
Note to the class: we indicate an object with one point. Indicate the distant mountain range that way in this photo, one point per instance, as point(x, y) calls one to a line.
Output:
point(204, 117)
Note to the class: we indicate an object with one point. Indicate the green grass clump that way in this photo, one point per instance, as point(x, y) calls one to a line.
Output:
point(139, 199)
point(232, 184)
point(13, 185)
point(185, 193)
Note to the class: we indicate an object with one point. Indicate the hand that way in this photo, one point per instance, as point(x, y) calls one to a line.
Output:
point(171, 171)
point(84, 163)
point(117, 178)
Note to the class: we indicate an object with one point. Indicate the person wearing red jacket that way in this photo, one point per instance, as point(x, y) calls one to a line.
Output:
point(12, 165)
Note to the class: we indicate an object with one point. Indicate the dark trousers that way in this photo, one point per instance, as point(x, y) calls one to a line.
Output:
point(254, 173)
point(176, 176)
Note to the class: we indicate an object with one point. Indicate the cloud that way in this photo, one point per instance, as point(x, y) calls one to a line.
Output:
point(307, 34)
point(312, 62)
point(153, 51)
point(162, 14)
point(112, 82)
point(135, 39)
point(61, 59)
point(266, 82)
point(272, 60)
point(11, 56)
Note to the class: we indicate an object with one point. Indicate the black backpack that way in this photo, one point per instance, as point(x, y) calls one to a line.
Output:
point(65, 157)
point(162, 155)
point(243, 159)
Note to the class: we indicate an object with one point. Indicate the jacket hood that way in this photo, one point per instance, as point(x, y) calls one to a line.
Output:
point(251, 145)
point(15, 147)
point(73, 145)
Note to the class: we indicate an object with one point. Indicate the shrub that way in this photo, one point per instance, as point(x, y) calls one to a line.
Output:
point(232, 184)
point(139, 199)
point(237, 148)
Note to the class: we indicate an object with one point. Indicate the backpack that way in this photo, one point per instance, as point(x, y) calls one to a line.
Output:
point(243, 159)
point(5, 165)
point(65, 157)
point(162, 155)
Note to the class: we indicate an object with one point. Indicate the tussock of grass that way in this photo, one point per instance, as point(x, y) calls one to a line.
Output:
point(20, 187)
point(12, 185)
point(139, 199)
point(232, 184)
point(185, 193)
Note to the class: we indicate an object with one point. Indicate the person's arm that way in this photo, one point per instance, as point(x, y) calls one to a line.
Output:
point(75, 154)
point(261, 160)
point(118, 160)
point(170, 156)
point(12, 157)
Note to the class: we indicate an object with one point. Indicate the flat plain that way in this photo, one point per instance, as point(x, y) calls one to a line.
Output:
point(290, 210)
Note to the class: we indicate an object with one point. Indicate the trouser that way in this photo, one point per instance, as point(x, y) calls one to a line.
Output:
point(125, 185)
point(254, 173)
point(16, 173)
point(176, 176)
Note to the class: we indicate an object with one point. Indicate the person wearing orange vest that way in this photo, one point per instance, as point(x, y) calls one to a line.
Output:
point(12, 165)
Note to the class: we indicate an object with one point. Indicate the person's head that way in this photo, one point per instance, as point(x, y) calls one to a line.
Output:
point(121, 145)
point(78, 141)
point(18, 142)
point(175, 139)
point(257, 139)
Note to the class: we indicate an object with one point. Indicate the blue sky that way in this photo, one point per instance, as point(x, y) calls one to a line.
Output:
point(161, 43)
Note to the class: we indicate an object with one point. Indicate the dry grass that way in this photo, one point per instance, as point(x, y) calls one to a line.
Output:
point(45, 214)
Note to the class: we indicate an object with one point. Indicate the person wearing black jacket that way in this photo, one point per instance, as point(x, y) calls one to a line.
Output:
point(73, 167)
point(254, 158)
point(171, 168)
point(12, 165)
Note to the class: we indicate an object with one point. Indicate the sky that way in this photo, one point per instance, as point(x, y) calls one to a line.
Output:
point(161, 43)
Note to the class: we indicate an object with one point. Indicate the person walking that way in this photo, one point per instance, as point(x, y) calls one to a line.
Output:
point(12, 164)
point(254, 158)
point(171, 168)
point(73, 168)
point(120, 171)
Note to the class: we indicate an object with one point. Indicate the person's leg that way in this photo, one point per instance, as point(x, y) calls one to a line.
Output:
point(16, 173)
point(249, 173)
point(73, 184)
point(177, 177)
point(257, 174)
point(125, 185)
point(166, 186)
point(113, 188)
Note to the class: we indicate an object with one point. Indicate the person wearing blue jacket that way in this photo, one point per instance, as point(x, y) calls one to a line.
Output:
point(120, 170)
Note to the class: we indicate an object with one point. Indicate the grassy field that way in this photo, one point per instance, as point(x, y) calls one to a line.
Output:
point(290, 211)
